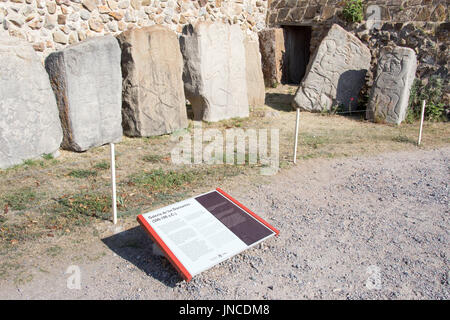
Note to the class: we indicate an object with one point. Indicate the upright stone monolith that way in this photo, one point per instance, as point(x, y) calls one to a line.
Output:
point(214, 70)
point(153, 94)
point(255, 80)
point(87, 81)
point(271, 44)
point(389, 97)
point(335, 74)
point(29, 121)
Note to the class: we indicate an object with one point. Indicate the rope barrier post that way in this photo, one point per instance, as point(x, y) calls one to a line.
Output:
point(422, 115)
point(113, 182)
point(296, 134)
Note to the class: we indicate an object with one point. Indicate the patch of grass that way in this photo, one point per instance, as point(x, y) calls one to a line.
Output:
point(235, 122)
point(314, 141)
point(11, 234)
point(81, 173)
point(159, 180)
point(165, 184)
point(19, 200)
point(153, 158)
point(23, 278)
point(79, 209)
point(54, 251)
point(102, 165)
point(320, 154)
point(403, 139)
point(33, 163)
point(48, 159)
point(96, 257)
point(5, 267)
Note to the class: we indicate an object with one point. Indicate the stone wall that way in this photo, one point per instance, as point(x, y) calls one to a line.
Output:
point(421, 25)
point(313, 11)
point(51, 25)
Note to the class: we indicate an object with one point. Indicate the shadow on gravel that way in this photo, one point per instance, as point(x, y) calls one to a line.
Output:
point(135, 246)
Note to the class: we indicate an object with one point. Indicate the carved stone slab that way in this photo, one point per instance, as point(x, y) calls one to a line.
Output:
point(390, 92)
point(335, 73)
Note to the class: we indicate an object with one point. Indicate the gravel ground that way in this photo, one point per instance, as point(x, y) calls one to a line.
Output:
point(357, 228)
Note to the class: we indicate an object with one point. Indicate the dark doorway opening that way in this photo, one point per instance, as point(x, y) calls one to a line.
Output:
point(296, 42)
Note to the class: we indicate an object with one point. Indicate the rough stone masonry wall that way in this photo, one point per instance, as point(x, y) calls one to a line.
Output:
point(51, 25)
point(422, 25)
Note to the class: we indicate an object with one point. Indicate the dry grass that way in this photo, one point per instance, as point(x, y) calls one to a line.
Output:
point(51, 197)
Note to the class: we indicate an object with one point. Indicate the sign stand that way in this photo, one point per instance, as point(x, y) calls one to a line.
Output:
point(113, 182)
point(296, 134)
point(421, 122)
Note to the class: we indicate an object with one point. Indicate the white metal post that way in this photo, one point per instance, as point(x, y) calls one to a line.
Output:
point(422, 115)
point(113, 182)
point(296, 134)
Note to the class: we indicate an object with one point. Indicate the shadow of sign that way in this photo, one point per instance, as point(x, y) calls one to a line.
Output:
point(135, 246)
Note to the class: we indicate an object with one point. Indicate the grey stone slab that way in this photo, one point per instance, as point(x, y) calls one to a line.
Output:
point(29, 121)
point(214, 70)
point(87, 81)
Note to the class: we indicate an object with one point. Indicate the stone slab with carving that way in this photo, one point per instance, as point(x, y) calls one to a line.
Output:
point(389, 97)
point(335, 74)
point(214, 70)
point(29, 120)
point(271, 43)
point(255, 80)
point(153, 93)
point(87, 81)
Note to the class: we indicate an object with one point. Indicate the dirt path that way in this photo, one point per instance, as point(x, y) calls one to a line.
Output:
point(355, 228)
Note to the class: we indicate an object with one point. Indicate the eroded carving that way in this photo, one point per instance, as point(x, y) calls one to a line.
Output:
point(390, 92)
point(335, 74)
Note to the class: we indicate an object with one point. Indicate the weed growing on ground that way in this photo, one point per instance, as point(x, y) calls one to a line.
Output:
point(153, 158)
point(81, 174)
point(102, 165)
